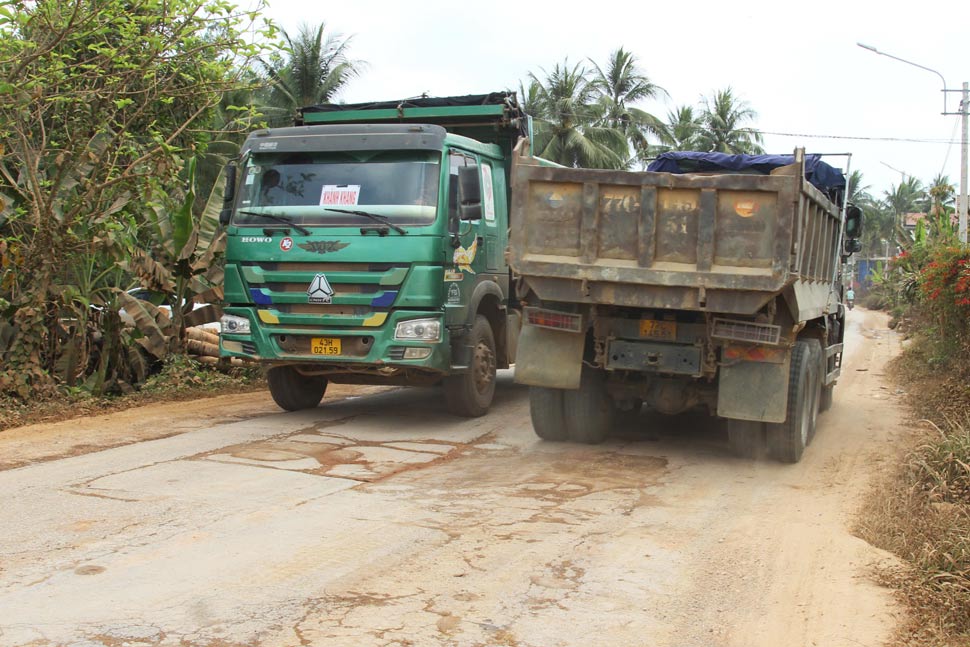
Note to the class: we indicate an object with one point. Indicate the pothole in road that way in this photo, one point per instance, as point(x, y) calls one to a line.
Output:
point(90, 569)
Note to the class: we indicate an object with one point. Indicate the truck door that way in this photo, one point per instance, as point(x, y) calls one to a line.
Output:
point(470, 254)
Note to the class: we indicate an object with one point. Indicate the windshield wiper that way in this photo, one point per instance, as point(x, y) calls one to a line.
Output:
point(277, 218)
point(384, 220)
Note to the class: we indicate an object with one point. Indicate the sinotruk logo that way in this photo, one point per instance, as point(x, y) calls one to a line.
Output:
point(319, 290)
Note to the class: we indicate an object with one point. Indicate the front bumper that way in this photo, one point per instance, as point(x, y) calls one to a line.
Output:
point(361, 346)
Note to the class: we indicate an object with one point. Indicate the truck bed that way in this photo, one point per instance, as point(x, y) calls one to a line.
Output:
point(724, 242)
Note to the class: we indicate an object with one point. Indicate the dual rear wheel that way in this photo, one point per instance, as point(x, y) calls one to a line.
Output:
point(786, 441)
point(583, 415)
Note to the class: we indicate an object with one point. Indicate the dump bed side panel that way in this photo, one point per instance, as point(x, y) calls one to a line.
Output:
point(725, 243)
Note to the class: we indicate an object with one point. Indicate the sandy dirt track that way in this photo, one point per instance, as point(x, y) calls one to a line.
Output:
point(381, 520)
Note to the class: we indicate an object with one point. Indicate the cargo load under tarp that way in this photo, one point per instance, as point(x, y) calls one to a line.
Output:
point(823, 176)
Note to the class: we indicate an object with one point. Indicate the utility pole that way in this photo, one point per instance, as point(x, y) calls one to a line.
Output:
point(962, 200)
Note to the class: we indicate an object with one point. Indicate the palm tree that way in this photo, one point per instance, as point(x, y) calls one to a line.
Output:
point(569, 121)
point(906, 197)
point(900, 200)
point(941, 194)
point(858, 193)
point(620, 86)
point(316, 69)
point(684, 130)
point(724, 116)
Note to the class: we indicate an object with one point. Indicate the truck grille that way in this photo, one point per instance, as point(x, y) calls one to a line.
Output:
point(749, 331)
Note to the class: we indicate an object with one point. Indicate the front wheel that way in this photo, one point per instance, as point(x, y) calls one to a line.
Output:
point(470, 394)
point(293, 391)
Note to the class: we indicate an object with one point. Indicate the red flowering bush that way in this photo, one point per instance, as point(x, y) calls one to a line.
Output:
point(944, 288)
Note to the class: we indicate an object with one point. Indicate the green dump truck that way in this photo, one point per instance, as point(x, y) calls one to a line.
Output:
point(366, 245)
point(713, 281)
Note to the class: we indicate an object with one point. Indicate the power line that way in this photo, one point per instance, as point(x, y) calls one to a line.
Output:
point(848, 137)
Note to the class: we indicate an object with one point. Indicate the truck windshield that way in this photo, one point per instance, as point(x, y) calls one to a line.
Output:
point(306, 188)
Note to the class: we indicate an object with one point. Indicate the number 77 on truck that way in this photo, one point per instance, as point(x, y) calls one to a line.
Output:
point(366, 245)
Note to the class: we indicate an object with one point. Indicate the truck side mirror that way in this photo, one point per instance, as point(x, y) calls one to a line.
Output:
point(470, 190)
point(228, 195)
point(853, 222)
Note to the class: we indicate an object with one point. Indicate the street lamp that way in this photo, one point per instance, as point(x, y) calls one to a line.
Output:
point(962, 202)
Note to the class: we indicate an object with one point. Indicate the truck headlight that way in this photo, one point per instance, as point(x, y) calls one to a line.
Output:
point(418, 330)
point(234, 325)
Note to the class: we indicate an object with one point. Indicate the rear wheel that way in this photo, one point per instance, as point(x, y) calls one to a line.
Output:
point(815, 388)
point(787, 440)
point(292, 391)
point(826, 395)
point(546, 409)
point(470, 394)
point(746, 438)
point(589, 410)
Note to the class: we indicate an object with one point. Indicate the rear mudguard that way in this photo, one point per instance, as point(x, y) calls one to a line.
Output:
point(549, 358)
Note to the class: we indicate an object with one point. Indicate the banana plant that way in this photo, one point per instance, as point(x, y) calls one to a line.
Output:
point(184, 264)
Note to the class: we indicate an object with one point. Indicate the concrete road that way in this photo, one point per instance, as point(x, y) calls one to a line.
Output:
point(381, 520)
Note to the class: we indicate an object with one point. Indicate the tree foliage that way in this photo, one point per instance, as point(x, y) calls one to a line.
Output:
point(312, 70)
point(569, 121)
point(100, 102)
point(621, 86)
point(725, 117)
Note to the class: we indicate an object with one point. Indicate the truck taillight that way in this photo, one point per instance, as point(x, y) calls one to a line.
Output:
point(554, 319)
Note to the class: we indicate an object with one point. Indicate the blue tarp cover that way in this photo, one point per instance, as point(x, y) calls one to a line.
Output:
point(824, 176)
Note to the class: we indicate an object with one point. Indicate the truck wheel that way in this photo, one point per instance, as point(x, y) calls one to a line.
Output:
point(293, 391)
point(746, 438)
point(787, 440)
point(589, 410)
point(546, 409)
point(825, 398)
point(470, 394)
point(815, 350)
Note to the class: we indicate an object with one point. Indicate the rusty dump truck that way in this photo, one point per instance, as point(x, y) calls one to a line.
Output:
point(708, 280)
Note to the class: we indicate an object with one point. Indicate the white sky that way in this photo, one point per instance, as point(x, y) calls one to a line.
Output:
point(796, 64)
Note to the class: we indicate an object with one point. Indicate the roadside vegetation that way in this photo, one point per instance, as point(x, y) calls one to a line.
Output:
point(922, 513)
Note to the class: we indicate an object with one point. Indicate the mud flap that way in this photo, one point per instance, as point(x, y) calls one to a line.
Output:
point(754, 391)
point(550, 358)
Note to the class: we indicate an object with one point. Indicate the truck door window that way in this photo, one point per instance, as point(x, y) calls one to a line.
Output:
point(455, 161)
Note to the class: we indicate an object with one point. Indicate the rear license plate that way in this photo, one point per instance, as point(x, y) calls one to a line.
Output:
point(666, 330)
point(325, 345)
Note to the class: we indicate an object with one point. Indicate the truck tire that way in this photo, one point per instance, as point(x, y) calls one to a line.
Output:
point(817, 360)
point(825, 398)
point(292, 391)
point(470, 394)
point(787, 440)
point(589, 410)
point(546, 410)
point(746, 438)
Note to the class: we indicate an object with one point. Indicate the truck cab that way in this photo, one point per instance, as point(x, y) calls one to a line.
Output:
point(366, 244)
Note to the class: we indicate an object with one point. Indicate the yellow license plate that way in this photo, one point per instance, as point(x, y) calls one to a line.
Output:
point(325, 345)
point(666, 330)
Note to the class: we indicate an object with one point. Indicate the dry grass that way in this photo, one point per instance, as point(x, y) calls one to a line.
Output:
point(922, 514)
